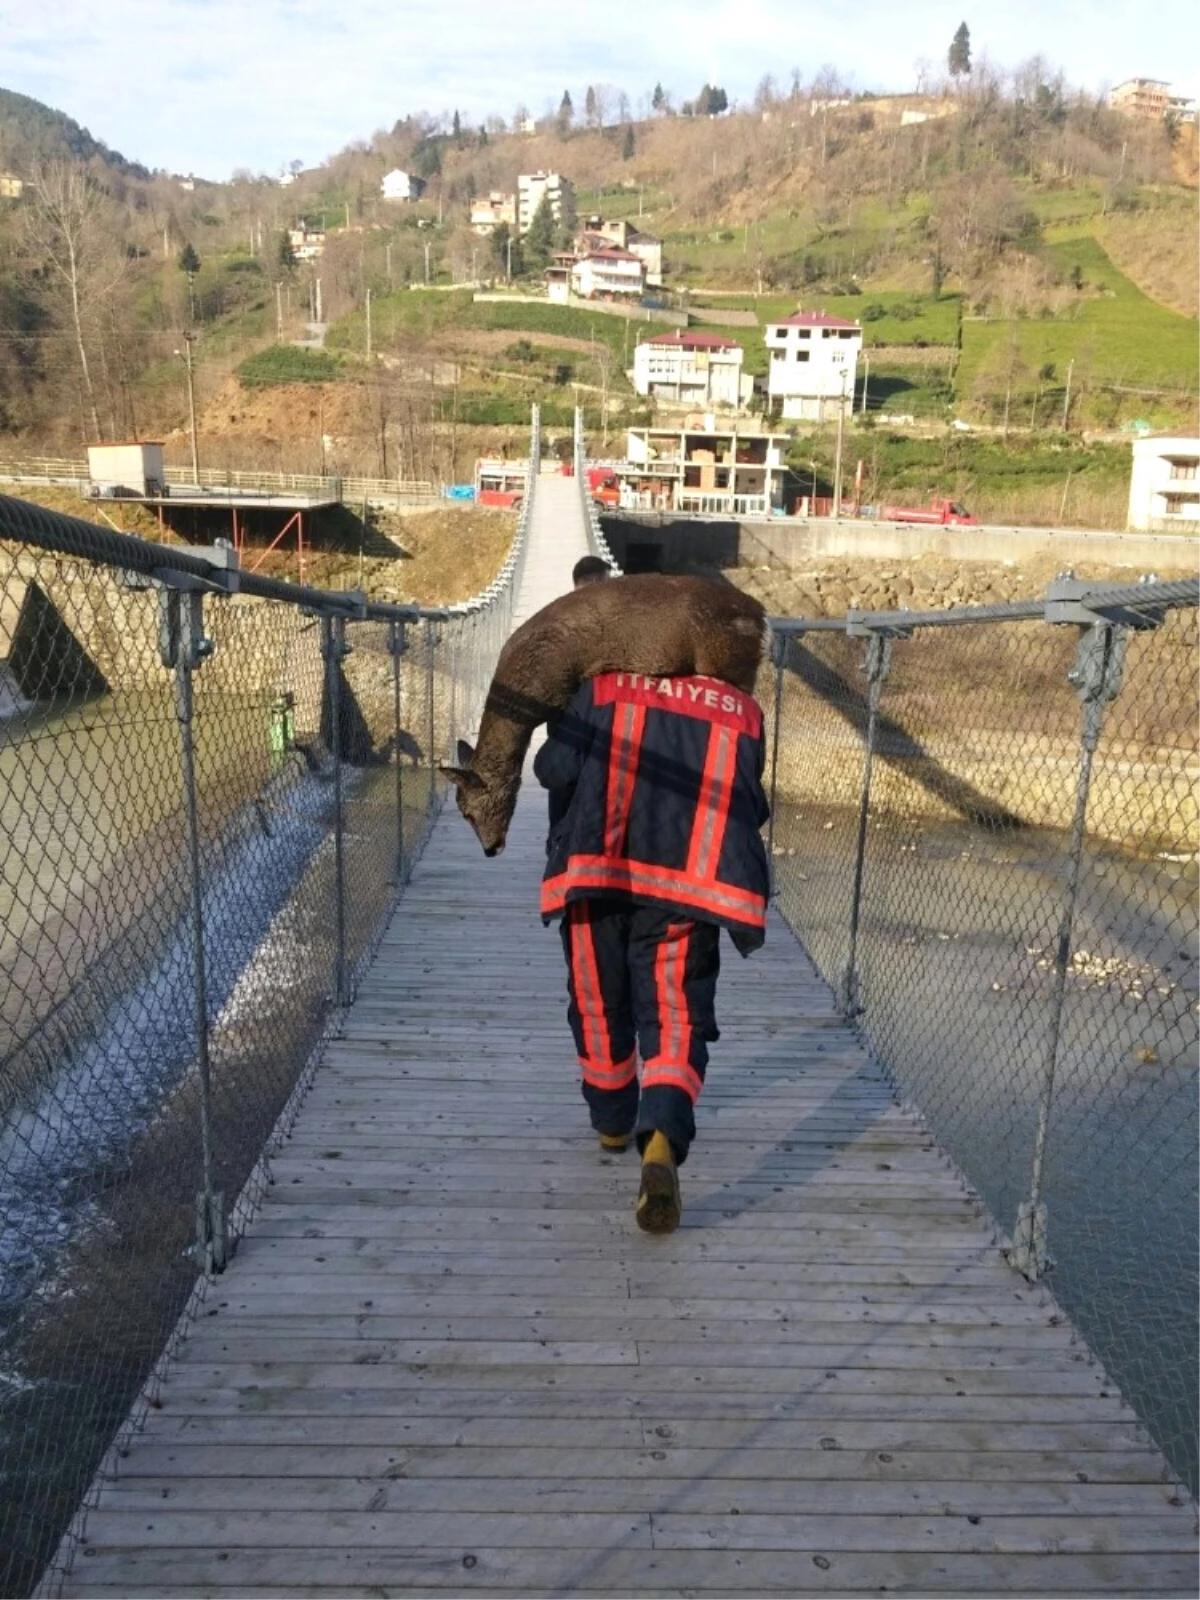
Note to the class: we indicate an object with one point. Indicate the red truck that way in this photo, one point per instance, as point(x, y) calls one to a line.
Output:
point(604, 486)
point(947, 512)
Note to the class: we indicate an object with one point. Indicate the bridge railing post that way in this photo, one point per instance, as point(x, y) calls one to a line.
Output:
point(184, 648)
point(432, 638)
point(1096, 675)
point(876, 665)
point(335, 649)
point(397, 644)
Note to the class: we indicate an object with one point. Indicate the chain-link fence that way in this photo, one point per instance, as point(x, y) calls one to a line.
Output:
point(985, 834)
point(213, 787)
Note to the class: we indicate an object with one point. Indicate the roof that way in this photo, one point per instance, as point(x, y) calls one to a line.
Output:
point(694, 341)
point(613, 253)
point(813, 319)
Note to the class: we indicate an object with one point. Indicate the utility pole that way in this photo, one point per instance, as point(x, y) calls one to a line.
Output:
point(508, 247)
point(187, 356)
point(279, 313)
point(427, 261)
point(866, 380)
point(320, 307)
point(837, 462)
point(347, 216)
point(387, 256)
point(1067, 397)
point(368, 324)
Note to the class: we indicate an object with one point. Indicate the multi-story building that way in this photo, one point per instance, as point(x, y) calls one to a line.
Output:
point(690, 368)
point(1164, 487)
point(622, 233)
point(532, 189)
point(813, 365)
point(608, 274)
point(306, 240)
point(10, 186)
point(1152, 99)
point(720, 471)
point(488, 212)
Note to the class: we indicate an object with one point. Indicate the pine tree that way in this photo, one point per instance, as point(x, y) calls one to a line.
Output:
point(456, 130)
point(589, 106)
point(566, 113)
point(959, 57)
point(658, 100)
point(540, 239)
point(286, 255)
point(189, 262)
point(628, 147)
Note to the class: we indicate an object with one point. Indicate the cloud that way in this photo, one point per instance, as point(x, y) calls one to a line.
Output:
point(209, 85)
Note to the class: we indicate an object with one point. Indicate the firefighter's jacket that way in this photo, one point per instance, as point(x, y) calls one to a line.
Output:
point(656, 798)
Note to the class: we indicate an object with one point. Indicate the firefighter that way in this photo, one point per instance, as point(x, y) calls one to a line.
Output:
point(656, 806)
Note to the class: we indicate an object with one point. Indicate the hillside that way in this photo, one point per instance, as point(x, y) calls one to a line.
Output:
point(995, 252)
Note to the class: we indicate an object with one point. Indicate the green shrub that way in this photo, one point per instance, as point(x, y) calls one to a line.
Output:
point(288, 363)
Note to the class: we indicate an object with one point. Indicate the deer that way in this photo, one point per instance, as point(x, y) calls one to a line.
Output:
point(648, 623)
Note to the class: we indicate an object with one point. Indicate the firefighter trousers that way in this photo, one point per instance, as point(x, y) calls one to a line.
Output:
point(641, 977)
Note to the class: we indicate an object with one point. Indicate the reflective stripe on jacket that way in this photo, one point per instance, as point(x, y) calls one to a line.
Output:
point(656, 797)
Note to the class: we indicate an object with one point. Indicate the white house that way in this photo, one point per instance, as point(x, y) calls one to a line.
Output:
point(813, 365)
point(532, 189)
point(608, 275)
point(400, 185)
point(693, 369)
point(1164, 488)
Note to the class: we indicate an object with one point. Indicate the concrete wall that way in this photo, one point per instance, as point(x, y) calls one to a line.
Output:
point(794, 543)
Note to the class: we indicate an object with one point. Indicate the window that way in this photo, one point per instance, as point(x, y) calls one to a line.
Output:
point(1183, 466)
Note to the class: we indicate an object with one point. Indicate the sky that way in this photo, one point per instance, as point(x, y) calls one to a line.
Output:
point(207, 86)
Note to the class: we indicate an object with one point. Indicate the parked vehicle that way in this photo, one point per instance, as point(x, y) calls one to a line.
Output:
point(947, 512)
point(604, 486)
point(500, 483)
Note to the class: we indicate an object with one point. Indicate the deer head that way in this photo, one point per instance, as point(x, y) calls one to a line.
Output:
point(487, 804)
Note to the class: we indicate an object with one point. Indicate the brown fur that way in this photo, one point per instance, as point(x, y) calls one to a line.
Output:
point(650, 624)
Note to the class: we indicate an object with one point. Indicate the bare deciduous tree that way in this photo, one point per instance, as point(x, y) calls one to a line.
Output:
point(64, 228)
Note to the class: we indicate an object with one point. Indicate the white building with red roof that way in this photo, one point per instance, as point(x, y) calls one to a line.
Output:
point(609, 274)
point(687, 367)
point(812, 365)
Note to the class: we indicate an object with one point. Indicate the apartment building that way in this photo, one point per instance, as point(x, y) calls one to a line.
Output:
point(532, 189)
point(690, 368)
point(1164, 487)
point(813, 365)
point(488, 212)
point(719, 471)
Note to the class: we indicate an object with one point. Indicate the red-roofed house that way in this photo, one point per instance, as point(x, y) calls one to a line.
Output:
point(609, 274)
point(813, 364)
point(692, 369)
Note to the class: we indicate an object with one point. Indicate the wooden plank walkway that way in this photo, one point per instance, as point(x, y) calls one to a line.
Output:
point(445, 1360)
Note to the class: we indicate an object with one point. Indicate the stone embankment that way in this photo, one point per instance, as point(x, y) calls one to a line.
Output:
point(931, 583)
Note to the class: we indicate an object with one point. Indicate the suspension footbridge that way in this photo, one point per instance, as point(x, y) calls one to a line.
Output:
point(441, 1357)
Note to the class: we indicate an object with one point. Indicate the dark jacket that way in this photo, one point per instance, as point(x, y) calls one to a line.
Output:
point(656, 797)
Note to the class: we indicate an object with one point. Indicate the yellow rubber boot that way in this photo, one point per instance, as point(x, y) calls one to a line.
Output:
point(659, 1206)
point(614, 1143)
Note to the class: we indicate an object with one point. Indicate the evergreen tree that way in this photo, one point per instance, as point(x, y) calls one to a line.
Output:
point(189, 262)
point(566, 113)
point(959, 57)
point(506, 251)
point(286, 255)
point(540, 240)
point(483, 136)
point(456, 131)
point(628, 147)
point(589, 106)
point(658, 100)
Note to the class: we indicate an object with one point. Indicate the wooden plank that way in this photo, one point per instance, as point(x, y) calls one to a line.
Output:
point(445, 1360)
